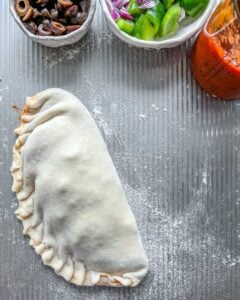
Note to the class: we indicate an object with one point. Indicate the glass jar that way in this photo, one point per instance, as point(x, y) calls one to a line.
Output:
point(215, 56)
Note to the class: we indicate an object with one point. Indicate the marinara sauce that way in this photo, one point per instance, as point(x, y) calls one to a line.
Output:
point(215, 56)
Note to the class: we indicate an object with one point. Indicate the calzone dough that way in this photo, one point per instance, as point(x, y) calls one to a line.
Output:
point(71, 201)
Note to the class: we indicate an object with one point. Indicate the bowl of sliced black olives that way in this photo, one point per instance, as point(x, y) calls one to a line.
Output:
point(54, 23)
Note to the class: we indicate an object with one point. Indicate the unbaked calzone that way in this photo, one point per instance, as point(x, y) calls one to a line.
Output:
point(71, 201)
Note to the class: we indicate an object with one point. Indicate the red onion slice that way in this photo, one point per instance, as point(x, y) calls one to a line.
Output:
point(115, 12)
point(148, 4)
point(115, 15)
point(125, 14)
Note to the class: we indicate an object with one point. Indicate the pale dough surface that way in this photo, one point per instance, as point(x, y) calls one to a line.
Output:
point(71, 201)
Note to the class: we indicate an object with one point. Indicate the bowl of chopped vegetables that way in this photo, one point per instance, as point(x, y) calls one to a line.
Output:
point(156, 23)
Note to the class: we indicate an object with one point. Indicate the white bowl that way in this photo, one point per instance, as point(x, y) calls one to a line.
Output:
point(186, 31)
point(57, 41)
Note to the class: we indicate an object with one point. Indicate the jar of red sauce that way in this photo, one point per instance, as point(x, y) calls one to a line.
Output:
point(215, 56)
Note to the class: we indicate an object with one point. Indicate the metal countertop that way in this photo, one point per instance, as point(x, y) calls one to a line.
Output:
point(176, 150)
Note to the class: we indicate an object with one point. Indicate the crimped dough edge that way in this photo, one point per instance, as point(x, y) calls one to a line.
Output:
point(73, 271)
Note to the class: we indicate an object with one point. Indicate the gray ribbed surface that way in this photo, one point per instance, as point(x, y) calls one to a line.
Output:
point(176, 150)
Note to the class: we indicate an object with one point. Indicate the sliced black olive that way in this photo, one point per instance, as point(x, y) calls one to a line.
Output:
point(22, 7)
point(84, 5)
point(31, 26)
point(36, 13)
point(45, 13)
point(44, 32)
point(57, 28)
point(71, 11)
point(65, 3)
point(28, 15)
point(71, 28)
point(79, 19)
point(46, 24)
point(54, 13)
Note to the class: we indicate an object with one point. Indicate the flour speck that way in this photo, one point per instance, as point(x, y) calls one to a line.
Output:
point(143, 116)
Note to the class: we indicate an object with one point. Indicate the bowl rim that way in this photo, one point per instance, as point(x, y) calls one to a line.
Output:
point(83, 28)
point(170, 41)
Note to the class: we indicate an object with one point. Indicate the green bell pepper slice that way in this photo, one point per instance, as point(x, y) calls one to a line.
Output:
point(125, 25)
point(155, 16)
point(170, 20)
point(194, 7)
point(168, 3)
point(143, 29)
point(133, 8)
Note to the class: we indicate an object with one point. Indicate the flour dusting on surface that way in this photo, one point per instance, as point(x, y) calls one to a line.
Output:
point(179, 165)
point(177, 238)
